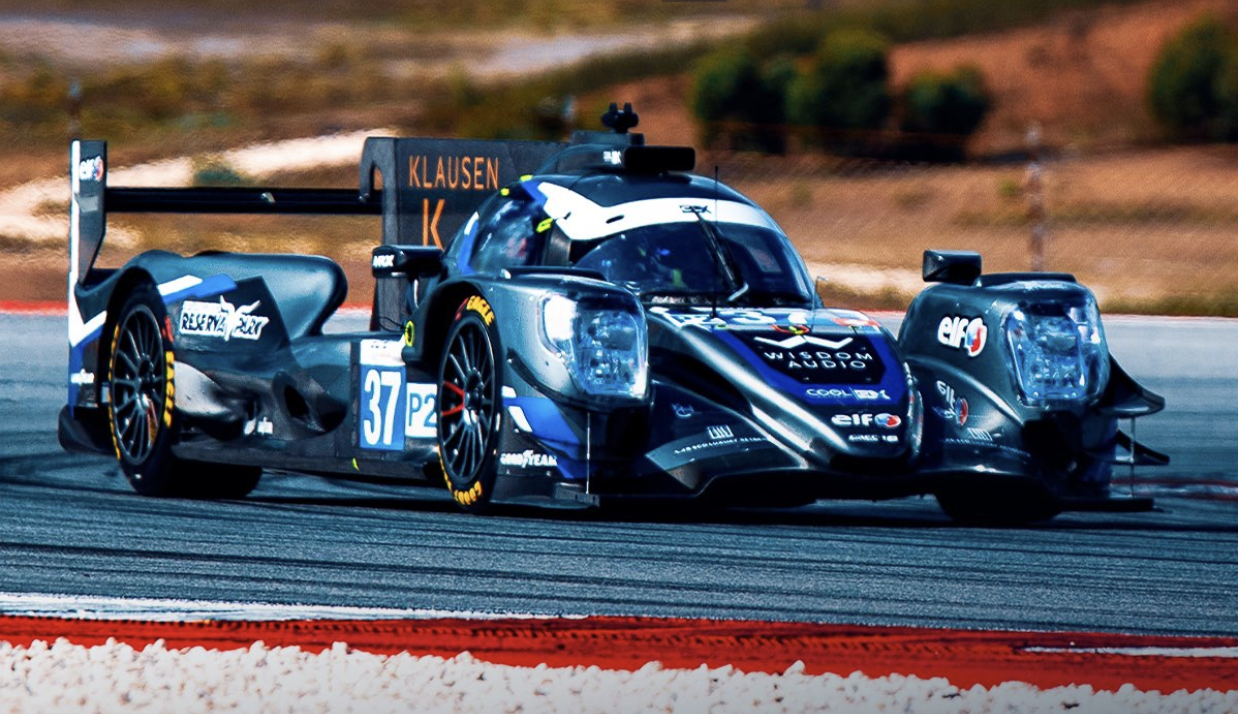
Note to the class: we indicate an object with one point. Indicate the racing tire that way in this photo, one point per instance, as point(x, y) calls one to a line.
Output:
point(469, 406)
point(142, 416)
point(1003, 507)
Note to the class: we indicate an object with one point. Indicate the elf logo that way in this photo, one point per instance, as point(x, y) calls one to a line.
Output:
point(963, 333)
point(885, 421)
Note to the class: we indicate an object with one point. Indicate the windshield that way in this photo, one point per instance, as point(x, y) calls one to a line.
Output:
point(674, 262)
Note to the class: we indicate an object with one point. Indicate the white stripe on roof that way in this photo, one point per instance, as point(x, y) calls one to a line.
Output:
point(582, 219)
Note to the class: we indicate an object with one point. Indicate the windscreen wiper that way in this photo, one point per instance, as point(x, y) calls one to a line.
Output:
point(723, 262)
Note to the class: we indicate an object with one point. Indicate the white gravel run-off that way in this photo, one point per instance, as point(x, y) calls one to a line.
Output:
point(115, 677)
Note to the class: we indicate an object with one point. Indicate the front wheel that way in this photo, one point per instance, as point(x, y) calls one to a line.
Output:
point(468, 406)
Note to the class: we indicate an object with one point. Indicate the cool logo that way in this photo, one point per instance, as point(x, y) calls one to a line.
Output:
point(963, 333)
point(885, 421)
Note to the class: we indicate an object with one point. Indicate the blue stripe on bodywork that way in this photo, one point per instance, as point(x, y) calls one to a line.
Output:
point(546, 420)
point(555, 434)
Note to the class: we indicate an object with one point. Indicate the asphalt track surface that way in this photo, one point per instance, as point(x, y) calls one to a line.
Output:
point(70, 525)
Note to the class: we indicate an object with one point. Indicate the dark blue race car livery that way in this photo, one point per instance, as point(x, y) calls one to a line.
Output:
point(578, 324)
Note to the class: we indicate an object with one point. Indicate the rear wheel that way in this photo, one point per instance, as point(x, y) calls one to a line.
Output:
point(468, 406)
point(141, 410)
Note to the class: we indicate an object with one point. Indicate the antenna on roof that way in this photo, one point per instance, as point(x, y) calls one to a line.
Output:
point(620, 120)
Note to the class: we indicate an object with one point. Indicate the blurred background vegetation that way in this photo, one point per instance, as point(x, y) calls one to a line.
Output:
point(871, 130)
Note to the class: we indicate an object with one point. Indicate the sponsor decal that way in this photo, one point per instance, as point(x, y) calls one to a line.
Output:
point(859, 321)
point(839, 393)
point(383, 262)
point(799, 339)
point(864, 438)
point(979, 435)
point(885, 421)
point(683, 411)
point(792, 329)
point(90, 169)
point(470, 173)
point(614, 158)
point(382, 353)
point(965, 333)
point(529, 459)
point(410, 333)
point(222, 319)
point(82, 377)
point(724, 317)
point(719, 433)
point(701, 446)
point(266, 427)
point(847, 394)
point(479, 305)
point(956, 409)
point(816, 360)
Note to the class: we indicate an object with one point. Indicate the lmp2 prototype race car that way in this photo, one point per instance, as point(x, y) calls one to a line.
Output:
point(577, 324)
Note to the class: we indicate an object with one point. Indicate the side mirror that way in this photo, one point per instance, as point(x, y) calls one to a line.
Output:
point(957, 267)
point(413, 261)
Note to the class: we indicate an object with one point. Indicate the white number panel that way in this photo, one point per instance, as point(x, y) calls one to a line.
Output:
point(421, 417)
point(381, 406)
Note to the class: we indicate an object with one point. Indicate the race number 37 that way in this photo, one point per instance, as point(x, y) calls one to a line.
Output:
point(383, 405)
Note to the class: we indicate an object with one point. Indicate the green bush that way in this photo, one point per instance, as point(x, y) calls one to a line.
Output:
point(738, 102)
point(843, 92)
point(212, 170)
point(1188, 79)
point(939, 111)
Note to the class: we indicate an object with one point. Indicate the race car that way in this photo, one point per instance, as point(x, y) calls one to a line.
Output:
point(580, 324)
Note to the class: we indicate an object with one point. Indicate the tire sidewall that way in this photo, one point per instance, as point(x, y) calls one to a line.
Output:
point(152, 475)
point(474, 492)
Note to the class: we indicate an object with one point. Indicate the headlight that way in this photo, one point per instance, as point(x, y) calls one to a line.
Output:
point(604, 347)
point(1059, 352)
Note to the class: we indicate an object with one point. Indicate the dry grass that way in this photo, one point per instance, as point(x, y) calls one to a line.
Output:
point(1102, 228)
point(1081, 76)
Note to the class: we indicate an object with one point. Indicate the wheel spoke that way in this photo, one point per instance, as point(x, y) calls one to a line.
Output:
point(133, 344)
point(150, 340)
point(122, 428)
point(465, 355)
point(141, 435)
point(460, 374)
point(456, 432)
point(123, 408)
point(130, 365)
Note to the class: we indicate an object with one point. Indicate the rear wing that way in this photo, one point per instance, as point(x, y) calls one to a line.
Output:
point(424, 189)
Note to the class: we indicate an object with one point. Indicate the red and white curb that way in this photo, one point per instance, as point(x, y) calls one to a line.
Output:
point(62, 653)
